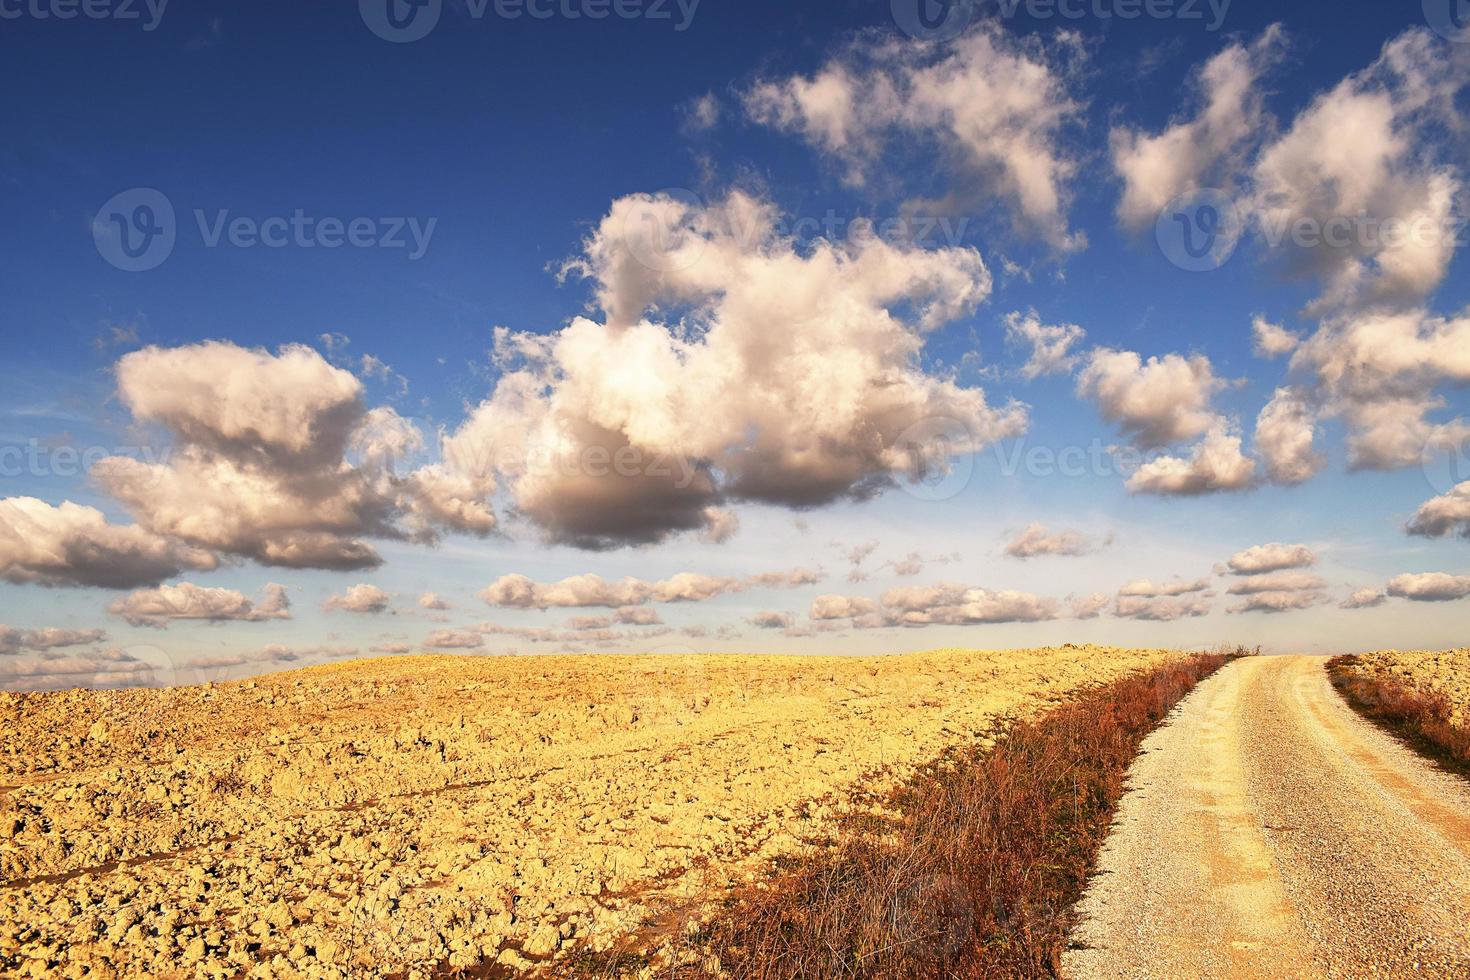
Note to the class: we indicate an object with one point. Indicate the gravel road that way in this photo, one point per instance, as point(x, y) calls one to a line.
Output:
point(1271, 832)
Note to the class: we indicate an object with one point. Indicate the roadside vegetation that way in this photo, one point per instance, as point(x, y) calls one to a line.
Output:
point(1424, 718)
point(970, 869)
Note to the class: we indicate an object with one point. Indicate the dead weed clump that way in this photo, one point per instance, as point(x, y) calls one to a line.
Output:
point(976, 869)
point(1423, 718)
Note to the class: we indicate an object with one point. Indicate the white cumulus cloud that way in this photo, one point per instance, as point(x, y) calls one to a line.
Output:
point(1429, 586)
point(1272, 557)
point(158, 607)
point(361, 598)
point(995, 107)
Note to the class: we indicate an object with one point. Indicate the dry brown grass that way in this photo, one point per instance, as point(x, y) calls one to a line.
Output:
point(1424, 717)
point(975, 867)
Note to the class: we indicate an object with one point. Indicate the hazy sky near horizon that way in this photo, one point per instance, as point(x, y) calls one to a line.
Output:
point(346, 329)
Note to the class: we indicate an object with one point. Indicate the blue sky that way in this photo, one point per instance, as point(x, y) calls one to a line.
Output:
point(505, 142)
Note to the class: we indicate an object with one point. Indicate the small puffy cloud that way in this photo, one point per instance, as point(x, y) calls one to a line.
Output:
point(1271, 558)
point(720, 524)
point(1276, 582)
point(781, 580)
point(1147, 588)
point(1202, 151)
point(996, 107)
point(915, 562)
point(120, 334)
point(54, 672)
point(393, 649)
point(432, 601)
point(519, 592)
point(772, 621)
point(13, 641)
point(945, 604)
point(855, 556)
point(185, 601)
point(72, 545)
point(957, 605)
point(1161, 609)
point(830, 607)
point(695, 587)
point(627, 616)
point(1156, 403)
point(360, 599)
point(1277, 602)
point(454, 640)
point(1051, 346)
point(1089, 606)
point(1364, 599)
point(1037, 540)
point(1271, 339)
point(273, 653)
point(1215, 465)
point(910, 564)
point(702, 114)
point(1446, 514)
point(221, 661)
point(585, 631)
point(634, 616)
point(1286, 431)
point(1429, 587)
point(52, 638)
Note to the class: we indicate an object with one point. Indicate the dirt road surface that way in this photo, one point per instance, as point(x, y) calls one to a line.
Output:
point(1271, 832)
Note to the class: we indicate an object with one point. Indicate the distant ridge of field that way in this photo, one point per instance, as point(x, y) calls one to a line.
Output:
point(392, 815)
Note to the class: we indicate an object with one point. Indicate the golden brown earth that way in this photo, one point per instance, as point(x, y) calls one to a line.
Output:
point(390, 816)
point(1447, 672)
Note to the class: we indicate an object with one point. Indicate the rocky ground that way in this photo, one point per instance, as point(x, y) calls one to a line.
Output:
point(1447, 672)
point(393, 816)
